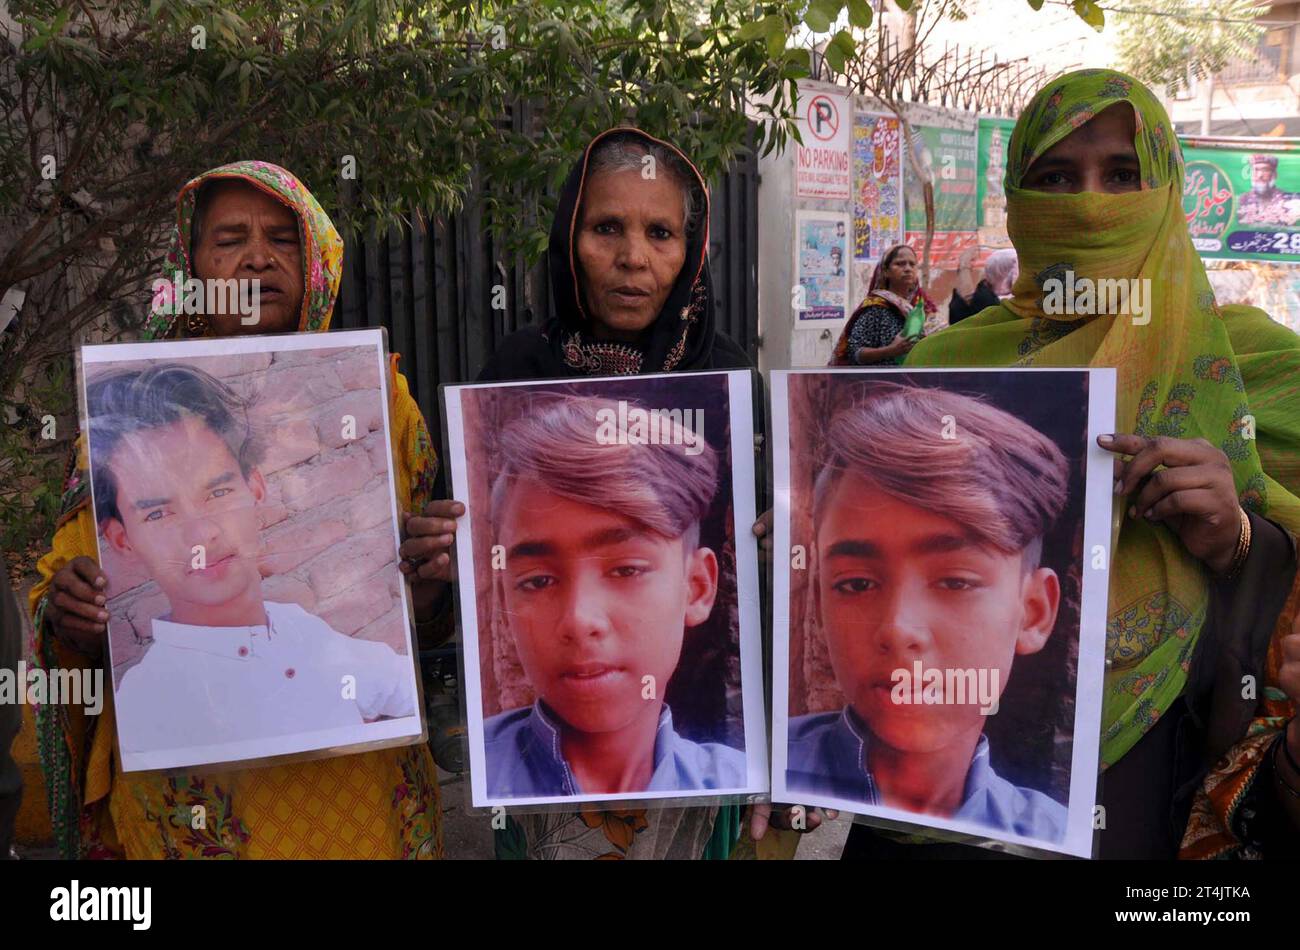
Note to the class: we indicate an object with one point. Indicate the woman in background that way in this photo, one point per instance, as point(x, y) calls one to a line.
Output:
point(1000, 271)
point(873, 335)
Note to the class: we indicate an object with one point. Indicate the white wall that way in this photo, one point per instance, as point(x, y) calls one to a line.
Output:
point(785, 344)
point(775, 261)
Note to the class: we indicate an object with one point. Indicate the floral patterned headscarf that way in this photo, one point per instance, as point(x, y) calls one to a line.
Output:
point(322, 248)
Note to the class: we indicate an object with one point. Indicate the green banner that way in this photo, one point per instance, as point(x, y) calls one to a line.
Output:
point(991, 200)
point(949, 156)
point(1243, 204)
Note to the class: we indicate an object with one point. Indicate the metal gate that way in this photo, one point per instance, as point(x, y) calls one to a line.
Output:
point(431, 288)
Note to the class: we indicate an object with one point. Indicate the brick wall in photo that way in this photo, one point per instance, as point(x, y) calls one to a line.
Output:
point(327, 531)
point(812, 681)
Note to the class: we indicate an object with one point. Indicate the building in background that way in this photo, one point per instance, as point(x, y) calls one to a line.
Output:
point(1255, 95)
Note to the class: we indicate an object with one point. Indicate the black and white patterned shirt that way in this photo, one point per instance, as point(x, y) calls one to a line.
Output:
point(875, 327)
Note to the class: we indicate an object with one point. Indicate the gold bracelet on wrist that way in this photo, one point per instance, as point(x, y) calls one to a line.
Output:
point(1243, 547)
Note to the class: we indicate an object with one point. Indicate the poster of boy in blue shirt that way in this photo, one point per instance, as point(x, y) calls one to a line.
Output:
point(929, 509)
point(598, 518)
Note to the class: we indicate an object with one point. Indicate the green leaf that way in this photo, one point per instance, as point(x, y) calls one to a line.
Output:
point(753, 30)
point(835, 57)
point(844, 40)
point(1036, 4)
point(774, 30)
point(821, 14)
point(840, 50)
point(860, 13)
point(793, 71)
point(904, 5)
point(1090, 13)
point(60, 21)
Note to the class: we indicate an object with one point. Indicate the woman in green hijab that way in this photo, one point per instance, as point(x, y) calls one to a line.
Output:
point(1207, 463)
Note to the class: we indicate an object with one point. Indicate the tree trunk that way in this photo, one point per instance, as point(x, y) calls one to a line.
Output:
point(1207, 117)
point(927, 188)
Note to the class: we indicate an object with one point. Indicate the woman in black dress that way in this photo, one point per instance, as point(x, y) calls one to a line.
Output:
point(1000, 272)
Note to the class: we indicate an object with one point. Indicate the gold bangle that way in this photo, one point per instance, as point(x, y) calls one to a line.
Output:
point(1243, 547)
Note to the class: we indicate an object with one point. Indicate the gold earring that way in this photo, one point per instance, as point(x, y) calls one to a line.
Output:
point(197, 324)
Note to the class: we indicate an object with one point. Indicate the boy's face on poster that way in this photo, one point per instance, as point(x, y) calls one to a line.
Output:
point(178, 487)
point(631, 245)
point(897, 584)
point(247, 234)
point(597, 603)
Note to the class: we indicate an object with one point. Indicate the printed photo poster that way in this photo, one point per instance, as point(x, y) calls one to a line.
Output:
point(1242, 204)
point(991, 198)
point(608, 590)
point(822, 168)
point(247, 520)
point(877, 185)
point(948, 157)
point(922, 610)
point(823, 267)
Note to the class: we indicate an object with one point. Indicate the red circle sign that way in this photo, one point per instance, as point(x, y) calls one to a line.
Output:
point(823, 117)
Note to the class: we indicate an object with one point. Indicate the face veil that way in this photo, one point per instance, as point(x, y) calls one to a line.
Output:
point(1187, 368)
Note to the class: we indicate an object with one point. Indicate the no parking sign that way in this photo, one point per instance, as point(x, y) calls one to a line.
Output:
point(822, 168)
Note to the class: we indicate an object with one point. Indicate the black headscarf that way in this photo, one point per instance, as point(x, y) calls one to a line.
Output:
point(682, 337)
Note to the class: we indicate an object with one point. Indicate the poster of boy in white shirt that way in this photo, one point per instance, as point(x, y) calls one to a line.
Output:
point(228, 675)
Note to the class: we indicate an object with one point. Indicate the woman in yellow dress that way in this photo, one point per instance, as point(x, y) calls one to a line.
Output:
point(249, 219)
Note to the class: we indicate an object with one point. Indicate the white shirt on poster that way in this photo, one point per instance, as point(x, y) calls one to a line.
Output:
point(207, 685)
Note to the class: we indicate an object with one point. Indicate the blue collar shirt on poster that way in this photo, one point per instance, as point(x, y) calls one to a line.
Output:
point(828, 755)
point(525, 758)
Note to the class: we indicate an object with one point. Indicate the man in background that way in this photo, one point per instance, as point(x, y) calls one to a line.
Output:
point(1265, 203)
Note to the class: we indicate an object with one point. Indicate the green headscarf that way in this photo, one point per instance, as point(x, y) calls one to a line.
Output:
point(1194, 370)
